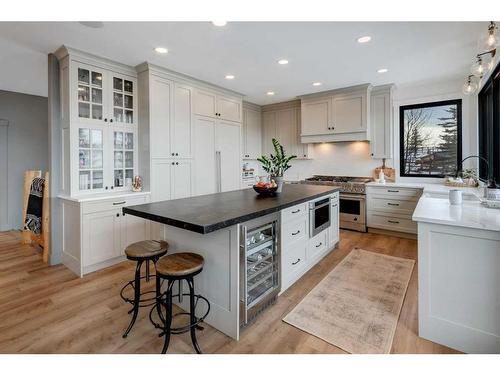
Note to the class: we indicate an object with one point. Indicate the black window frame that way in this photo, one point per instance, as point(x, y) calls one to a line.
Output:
point(458, 103)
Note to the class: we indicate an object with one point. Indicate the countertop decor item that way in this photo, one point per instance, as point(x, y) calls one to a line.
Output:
point(276, 165)
point(137, 184)
point(389, 173)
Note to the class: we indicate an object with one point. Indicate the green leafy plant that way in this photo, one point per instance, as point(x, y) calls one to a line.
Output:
point(276, 164)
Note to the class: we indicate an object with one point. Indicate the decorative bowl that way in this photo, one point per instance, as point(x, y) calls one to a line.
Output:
point(265, 191)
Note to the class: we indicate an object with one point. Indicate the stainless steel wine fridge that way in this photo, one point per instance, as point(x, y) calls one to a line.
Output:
point(260, 276)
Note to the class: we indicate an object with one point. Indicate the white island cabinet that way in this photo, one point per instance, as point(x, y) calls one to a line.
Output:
point(459, 281)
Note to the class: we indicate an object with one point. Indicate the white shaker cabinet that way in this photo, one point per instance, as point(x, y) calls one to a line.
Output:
point(336, 116)
point(101, 236)
point(381, 122)
point(211, 104)
point(227, 141)
point(182, 127)
point(251, 131)
point(171, 179)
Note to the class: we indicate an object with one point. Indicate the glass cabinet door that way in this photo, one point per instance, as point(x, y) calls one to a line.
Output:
point(90, 105)
point(123, 159)
point(123, 100)
point(90, 159)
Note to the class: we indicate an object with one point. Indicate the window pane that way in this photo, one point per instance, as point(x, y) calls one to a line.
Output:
point(84, 110)
point(118, 159)
point(118, 114)
point(129, 174)
point(96, 138)
point(97, 112)
point(128, 86)
point(97, 180)
point(96, 96)
point(97, 79)
point(118, 99)
point(83, 94)
point(129, 141)
point(84, 138)
point(118, 140)
point(117, 84)
point(430, 133)
point(129, 159)
point(96, 159)
point(129, 116)
point(83, 75)
point(128, 101)
point(84, 159)
point(118, 178)
point(84, 182)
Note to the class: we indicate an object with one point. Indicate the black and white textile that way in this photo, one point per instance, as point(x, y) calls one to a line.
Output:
point(34, 210)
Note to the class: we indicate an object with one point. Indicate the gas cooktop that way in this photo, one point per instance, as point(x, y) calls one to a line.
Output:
point(353, 185)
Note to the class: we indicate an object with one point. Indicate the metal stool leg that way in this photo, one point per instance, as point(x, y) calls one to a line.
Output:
point(192, 315)
point(137, 297)
point(168, 319)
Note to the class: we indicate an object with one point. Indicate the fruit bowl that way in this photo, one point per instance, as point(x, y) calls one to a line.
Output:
point(266, 191)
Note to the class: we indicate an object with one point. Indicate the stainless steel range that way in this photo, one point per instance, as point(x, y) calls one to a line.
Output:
point(352, 199)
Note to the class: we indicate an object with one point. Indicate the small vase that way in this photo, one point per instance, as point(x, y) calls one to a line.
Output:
point(279, 182)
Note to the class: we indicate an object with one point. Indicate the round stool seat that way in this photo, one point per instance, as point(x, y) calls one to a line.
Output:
point(179, 264)
point(146, 249)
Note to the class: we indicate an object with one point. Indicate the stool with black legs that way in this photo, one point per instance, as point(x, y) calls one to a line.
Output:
point(178, 267)
point(141, 252)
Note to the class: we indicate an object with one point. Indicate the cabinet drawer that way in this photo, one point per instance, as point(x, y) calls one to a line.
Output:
point(394, 192)
point(293, 263)
point(294, 212)
point(294, 231)
point(112, 204)
point(316, 246)
point(392, 205)
point(392, 223)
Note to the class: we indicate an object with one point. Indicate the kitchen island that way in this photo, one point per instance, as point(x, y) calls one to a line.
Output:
point(213, 225)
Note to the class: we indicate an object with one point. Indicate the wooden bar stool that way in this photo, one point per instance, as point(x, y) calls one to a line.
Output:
point(140, 252)
point(178, 267)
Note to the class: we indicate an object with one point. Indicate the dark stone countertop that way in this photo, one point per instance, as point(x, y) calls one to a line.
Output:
point(208, 213)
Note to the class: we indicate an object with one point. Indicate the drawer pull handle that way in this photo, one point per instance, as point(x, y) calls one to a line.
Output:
point(334, 205)
point(393, 191)
point(318, 245)
point(296, 211)
point(295, 233)
point(294, 263)
point(393, 204)
point(393, 221)
point(117, 203)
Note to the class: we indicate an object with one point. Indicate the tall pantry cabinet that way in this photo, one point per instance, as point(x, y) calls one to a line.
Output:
point(99, 128)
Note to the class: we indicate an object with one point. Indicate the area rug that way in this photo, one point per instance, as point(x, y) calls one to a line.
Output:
point(357, 305)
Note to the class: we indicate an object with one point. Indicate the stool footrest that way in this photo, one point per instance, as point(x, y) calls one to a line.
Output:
point(143, 302)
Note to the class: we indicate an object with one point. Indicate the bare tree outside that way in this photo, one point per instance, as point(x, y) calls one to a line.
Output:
point(430, 144)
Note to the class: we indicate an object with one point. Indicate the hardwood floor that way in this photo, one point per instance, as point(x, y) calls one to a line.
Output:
point(49, 310)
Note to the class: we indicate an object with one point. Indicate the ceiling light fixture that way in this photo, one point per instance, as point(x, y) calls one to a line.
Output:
point(270, 93)
point(283, 61)
point(364, 39)
point(383, 70)
point(219, 23)
point(161, 50)
point(470, 85)
point(490, 40)
point(229, 76)
point(317, 83)
point(484, 60)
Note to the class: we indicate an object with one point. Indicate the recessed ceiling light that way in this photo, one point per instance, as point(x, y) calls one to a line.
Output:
point(229, 76)
point(219, 23)
point(270, 93)
point(283, 61)
point(317, 83)
point(383, 70)
point(364, 39)
point(161, 50)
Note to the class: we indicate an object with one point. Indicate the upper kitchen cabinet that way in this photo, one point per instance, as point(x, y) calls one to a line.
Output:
point(282, 121)
point(336, 116)
point(251, 131)
point(211, 104)
point(381, 122)
point(99, 123)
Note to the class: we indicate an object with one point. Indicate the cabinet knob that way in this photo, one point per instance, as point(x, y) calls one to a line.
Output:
point(106, 188)
point(112, 187)
point(111, 120)
point(118, 215)
point(105, 120)
point(372, 154)
point(173, 163)
point(176, 154)
point(173, 154)
point(177, 163)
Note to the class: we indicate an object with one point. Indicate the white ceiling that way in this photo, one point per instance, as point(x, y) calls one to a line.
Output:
point(317, 51)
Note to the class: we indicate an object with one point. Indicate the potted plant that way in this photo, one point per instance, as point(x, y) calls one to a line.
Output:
point(276, 164)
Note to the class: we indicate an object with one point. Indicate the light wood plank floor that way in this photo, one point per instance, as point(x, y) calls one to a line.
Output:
point(49, 310)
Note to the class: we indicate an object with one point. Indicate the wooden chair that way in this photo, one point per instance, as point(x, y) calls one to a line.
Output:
point(28, 237)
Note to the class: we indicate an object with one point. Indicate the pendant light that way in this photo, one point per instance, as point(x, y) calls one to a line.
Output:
point(470, 85)
point(491, 39)
point(479, 68)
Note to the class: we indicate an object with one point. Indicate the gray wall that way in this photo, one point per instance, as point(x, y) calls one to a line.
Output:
point(27, 146)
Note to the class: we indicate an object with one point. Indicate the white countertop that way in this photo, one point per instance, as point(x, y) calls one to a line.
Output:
point(103, 196)
point(471, 214)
